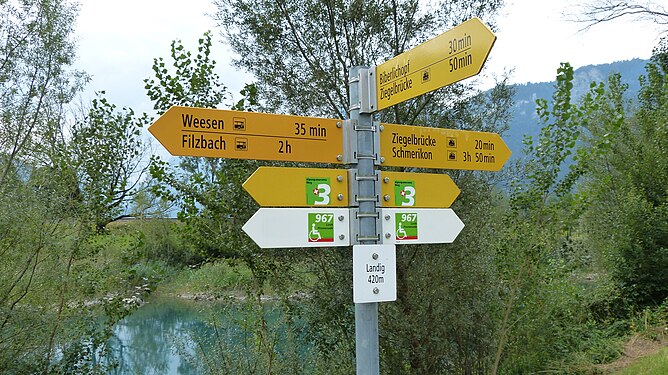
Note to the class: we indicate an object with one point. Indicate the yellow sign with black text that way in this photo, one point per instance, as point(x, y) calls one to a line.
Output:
point(424, 147)
point(455, 55)
point(216, 133)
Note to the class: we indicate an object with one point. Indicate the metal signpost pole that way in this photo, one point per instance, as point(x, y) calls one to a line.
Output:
point(366, 314)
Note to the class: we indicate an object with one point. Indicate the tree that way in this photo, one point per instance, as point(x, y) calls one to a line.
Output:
point(196, 185)
point(625, 192)
point(44, 229)
point(213, 205)
point(109, 158)
point(35, 52)
point(534, 243)
point(300, 52)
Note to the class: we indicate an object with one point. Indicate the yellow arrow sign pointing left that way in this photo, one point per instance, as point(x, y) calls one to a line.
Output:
point(298, 187)
point(217, 133)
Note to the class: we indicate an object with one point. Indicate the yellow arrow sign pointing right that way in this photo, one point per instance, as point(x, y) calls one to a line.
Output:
point(313, 187)
point(456, 54)
point(425, 147)
point(427, 190)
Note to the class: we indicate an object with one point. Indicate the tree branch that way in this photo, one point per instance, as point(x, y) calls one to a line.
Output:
point(609, 10)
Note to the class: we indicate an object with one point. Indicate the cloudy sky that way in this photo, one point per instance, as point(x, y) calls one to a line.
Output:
point(119, 39)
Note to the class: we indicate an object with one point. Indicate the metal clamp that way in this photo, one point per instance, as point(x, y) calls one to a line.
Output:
point(355, 228)
point(367, 85)
point(353, 188)
point(359, 238)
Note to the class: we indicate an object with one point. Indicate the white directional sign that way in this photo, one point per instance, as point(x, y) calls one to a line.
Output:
point(420, 225)
point(299, 227)
point(374, 273)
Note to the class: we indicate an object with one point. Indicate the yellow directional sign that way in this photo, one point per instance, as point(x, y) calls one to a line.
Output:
point(423, 147)
point(298, 187)
point(186, 131)
point(312, 187)
point(427, 190)
point(456, 54)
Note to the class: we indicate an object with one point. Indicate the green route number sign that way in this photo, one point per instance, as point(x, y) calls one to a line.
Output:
point(404, 193)
point(318, 191)
point(321, 227)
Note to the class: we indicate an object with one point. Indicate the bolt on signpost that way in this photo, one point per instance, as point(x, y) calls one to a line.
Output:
point(370, 209)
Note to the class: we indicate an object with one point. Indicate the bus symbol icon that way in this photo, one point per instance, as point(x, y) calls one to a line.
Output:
point(239, 123)
point(241, 144)
point(426, 75)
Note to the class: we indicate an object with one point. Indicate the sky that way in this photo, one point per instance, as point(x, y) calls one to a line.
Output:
point(118, 40)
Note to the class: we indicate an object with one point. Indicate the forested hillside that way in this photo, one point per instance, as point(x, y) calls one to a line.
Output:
point(524, 119)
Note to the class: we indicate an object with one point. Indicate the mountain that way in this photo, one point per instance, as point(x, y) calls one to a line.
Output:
point(525, 121)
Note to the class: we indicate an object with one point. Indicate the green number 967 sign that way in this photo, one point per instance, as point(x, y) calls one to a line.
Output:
point(406, 226)
point(320, 227)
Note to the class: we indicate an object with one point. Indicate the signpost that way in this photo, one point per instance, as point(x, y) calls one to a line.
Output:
point(405, 189)
point(298, 187)
point(299, 227)
point(420, 225)
point(216, 133)
point(423, 147)
point(456, 54)
point(399, 208)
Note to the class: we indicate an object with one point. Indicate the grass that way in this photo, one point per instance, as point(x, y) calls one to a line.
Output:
point(216, 278)
point(654, 364)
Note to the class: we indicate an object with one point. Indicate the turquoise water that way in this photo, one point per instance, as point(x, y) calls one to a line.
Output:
point(157, 339)
point(172, 336)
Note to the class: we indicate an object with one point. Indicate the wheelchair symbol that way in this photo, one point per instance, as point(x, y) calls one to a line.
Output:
point(314, 234)
point(401, 232)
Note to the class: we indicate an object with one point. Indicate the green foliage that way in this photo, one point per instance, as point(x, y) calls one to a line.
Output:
point(555, 145)
point(108, 156)
point(536, 252)
point(231, 342)
point(36, 51)
point(162, 241)
point(194, 82)
point(47, 324)
point(213, 207)
point(216, 279)
point(50, 299)
point(609, 207)
point(626, 200)
point(208, 190)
